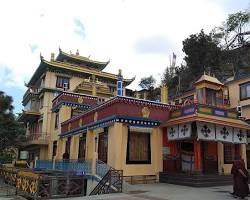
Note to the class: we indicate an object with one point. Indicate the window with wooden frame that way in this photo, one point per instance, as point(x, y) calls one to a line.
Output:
point(62, 82)
point(245, 91)
point(54, 149)
point(41, 101)
point(56, 120)
point(138, 148)
point(82, 148)
point(67, 146)
point(103, 146)
point(231, 152)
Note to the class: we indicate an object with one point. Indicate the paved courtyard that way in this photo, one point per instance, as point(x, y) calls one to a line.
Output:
point(162, 191)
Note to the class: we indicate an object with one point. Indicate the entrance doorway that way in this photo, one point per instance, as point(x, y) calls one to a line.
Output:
point(82, 148)
point(103, 146)
point(209, 157)
point(187, 156)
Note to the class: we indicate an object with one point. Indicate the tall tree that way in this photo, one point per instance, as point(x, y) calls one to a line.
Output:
point(234, 32)
point(202, 54)
point(11, 131)
point(148, 83)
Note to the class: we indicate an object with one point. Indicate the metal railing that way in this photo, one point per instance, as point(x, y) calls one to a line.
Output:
point(38, 136)
point(78, 166)
point(111, 182)
point(44, 185)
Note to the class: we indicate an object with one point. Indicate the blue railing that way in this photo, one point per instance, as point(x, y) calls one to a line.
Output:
point(79, 166)
point(101, 168)
point(74, 165)
point(44, 164)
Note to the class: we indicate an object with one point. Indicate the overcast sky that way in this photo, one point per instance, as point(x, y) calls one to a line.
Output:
point(136, 35)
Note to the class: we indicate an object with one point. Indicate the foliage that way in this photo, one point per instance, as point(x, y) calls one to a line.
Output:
point(147, 82)
point(11, 132)
point(202, 53)
point(232, 32)
point(214, 53)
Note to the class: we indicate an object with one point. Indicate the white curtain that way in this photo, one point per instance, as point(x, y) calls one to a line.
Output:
point(173, 132)
point(240, 136)
point(205, 131)
point(224, 133)
point(184, 131)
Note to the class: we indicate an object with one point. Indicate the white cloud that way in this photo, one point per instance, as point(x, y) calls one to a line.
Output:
point(112, 29)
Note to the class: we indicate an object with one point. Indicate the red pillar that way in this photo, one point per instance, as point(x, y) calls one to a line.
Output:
point(197, 156)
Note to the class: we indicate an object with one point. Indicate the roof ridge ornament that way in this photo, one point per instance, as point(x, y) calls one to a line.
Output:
point(52, 57)
point(41, 57)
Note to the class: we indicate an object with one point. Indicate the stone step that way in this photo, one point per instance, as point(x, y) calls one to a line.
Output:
point(196, 180)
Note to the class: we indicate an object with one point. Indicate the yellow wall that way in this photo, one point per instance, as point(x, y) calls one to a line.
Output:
point(117, 151)
point(234, 94)
point(226, 168)
point(50, 80)
point(74, 147)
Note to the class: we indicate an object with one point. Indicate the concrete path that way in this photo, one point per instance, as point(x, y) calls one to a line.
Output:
point(162, 191)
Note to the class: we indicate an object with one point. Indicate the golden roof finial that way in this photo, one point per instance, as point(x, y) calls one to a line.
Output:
point(52, 57)
point(120, 72)
point(41, 57)
point(77, 52)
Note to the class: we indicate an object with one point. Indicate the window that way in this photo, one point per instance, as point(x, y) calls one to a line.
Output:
point(54, 149)
point(67, 146)
point(103, 146)
point(41, 102)
point(57, 120)
point(62, 82)
point(245, 91)
point(138, 148)
point(82, 148)
point(231, 152)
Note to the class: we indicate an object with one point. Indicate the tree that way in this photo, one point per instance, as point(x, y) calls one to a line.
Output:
point(147, 82)
point(202, 54)
point(232, 33)
point(11, 132)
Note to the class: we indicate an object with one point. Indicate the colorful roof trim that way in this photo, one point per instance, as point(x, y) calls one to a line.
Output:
point(44, 65)
point(132, 121)
point(128, 100)
point(210, 79)
point(81, 60)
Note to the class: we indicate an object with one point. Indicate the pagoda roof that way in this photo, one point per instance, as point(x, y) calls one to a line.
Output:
point(81, 60)
point(69, 67)
point(207, 78)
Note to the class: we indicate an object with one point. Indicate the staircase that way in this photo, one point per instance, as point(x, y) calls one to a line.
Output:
point(111, 182)
point(196, 180)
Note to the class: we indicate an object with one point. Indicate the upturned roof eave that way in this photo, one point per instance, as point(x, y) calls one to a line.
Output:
point(65, 66)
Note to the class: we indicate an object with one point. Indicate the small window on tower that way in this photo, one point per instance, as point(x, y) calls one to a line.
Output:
point(62, 82)
point(57, 120)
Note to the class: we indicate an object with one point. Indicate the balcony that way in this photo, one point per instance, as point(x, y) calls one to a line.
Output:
point(37, 139)
point(29, 115)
